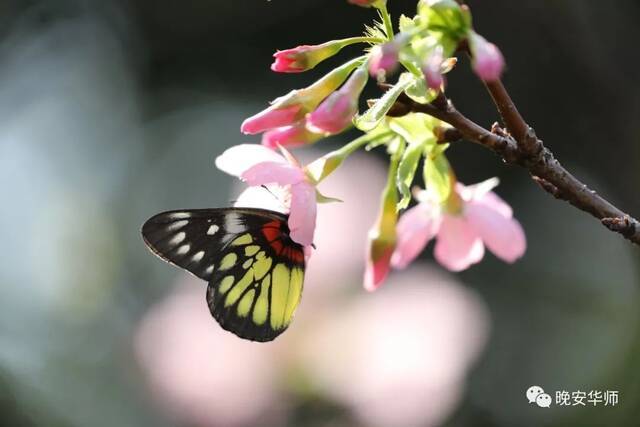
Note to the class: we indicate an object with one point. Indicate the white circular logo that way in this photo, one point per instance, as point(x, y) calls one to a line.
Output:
point(533, 392)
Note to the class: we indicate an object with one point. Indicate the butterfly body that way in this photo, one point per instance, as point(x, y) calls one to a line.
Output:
point(254, 269)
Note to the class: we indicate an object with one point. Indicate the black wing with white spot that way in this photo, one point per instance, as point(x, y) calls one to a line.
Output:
point(193, 239)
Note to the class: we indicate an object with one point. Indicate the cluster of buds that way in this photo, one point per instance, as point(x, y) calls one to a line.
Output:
point(463, 220)
point(306, 115)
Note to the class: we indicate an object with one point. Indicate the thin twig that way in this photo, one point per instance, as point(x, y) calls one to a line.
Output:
point(542, 164)
point(518, 144)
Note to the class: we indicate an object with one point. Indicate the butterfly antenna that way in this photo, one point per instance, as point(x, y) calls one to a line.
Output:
point(274, 196)
point(270, 192)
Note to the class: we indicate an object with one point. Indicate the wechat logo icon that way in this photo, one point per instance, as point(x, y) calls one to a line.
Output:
point(535, 394)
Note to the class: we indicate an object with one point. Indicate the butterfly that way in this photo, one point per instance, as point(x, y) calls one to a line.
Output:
point(254, 269)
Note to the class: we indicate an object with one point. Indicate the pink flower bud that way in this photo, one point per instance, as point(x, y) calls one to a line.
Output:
point(291, 60)
point(336, 112)
point(377, 265)
point(384, 59)
point(289, 136)
point(382, 237)
point(488, 61)
point(432, 69)
point(303, 58)
point(271, 118)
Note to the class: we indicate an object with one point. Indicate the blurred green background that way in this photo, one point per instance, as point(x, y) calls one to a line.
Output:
point(111, 111)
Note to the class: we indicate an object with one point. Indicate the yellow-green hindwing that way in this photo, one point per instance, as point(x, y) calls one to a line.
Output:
point(255, 271)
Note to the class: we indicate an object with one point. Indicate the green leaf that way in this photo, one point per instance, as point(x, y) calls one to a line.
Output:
point(415, 128)
point(395, 148)
point(321, 198)
point(420, 93)
point(406, 172)
point(380, 135)
point(446, 17)
point(438, 177)
point(414, 54)
point(374, 115)
point(385, 137)
point(406, 24)
point(438, 149)
point(323, 167)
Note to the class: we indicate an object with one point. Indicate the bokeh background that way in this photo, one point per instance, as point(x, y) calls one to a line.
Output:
point(113, 110)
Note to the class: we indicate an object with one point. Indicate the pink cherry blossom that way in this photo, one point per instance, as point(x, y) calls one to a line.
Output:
point(432, 69)
point(336, 112)
point(384, 58)
point(483, 220)
point(258, 165)
point(488, 61)
point(289, 136)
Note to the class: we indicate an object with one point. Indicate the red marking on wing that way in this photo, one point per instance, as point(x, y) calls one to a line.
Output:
point(293, 254)
point(277, 246)
point(273, 233)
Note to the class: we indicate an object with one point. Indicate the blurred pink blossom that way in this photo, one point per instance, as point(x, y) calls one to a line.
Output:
point(432, 68)
point(399, 357)
point(384, 58)
point(258, 165)
point(488, 61)
point(201, 374)
point(343, 227)
point(483, 219)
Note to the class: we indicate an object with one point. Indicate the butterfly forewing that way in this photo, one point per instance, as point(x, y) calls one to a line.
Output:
point(189, 239)
point(255, 271)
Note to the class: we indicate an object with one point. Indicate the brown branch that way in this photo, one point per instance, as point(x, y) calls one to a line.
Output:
point(446, 134)
point(518, 144)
